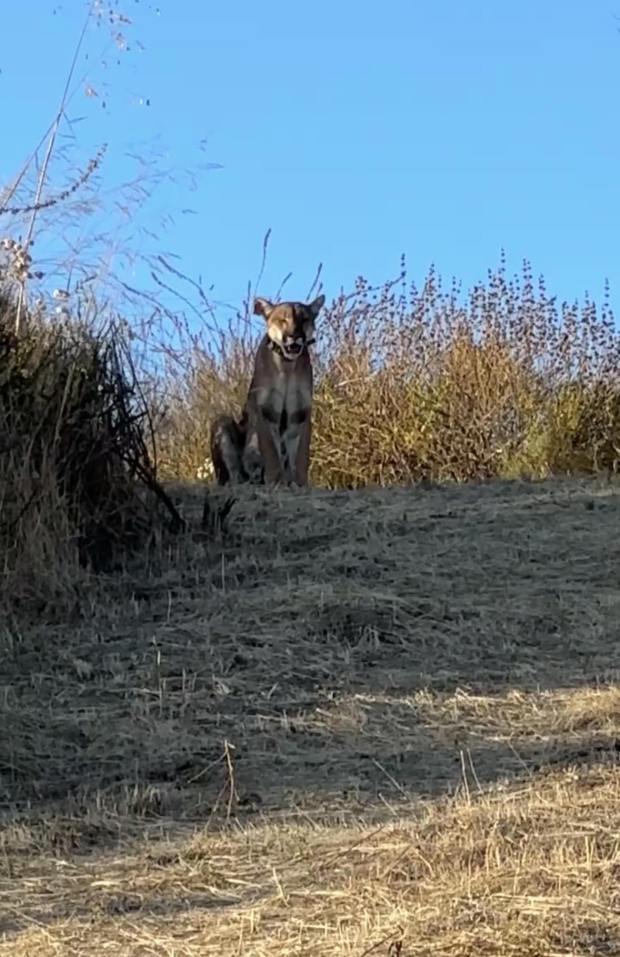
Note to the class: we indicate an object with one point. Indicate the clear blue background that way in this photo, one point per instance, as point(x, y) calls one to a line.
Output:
point(441, 129)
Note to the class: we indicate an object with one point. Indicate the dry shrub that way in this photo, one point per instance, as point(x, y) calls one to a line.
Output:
point(78, 490)
point(414, 384)
point(200, 377)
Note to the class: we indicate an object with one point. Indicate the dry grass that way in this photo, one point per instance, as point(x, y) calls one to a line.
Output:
point(77, 485)
point(359, 719)
point(423, 383)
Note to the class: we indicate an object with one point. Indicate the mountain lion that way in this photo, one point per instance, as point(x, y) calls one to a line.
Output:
point(271, 440)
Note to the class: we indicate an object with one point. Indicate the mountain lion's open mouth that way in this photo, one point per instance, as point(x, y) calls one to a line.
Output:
point(292, 349)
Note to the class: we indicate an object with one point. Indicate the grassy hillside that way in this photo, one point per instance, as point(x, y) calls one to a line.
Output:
point(383, 721)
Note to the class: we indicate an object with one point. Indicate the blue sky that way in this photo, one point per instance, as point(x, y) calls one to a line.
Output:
point(440, 129)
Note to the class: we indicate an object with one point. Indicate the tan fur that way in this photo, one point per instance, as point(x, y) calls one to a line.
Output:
point(271, 441)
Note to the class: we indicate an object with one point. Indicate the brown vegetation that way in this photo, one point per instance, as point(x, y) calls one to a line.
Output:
point(78, 490)
point(419, 384)
point(361, 718)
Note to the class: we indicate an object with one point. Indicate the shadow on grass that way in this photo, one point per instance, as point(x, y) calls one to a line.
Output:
point(341, 649)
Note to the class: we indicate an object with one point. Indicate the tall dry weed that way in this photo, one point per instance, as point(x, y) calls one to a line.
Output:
point(425, 383)
point(77, 485)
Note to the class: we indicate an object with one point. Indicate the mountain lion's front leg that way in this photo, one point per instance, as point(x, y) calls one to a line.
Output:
point(269, 444)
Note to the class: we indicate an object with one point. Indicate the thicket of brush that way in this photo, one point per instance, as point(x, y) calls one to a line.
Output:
point(410, 384)
point(77, 487)
point(421, 383)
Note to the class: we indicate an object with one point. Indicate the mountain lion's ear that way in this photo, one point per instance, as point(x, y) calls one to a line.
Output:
point(263, 307)
point(316, 305)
